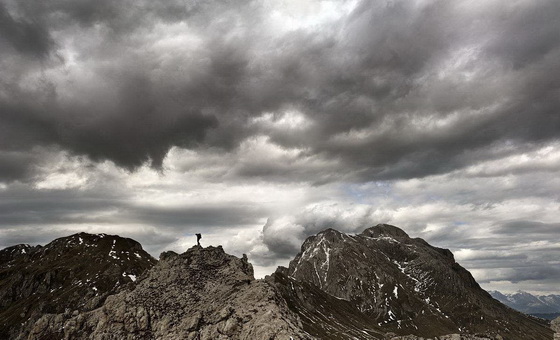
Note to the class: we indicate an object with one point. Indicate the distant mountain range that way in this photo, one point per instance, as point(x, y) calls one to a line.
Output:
point(528, 303)
point(380, 284)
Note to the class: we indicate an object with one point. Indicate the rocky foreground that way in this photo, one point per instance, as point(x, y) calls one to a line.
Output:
point(555, 324)
point(380, 284)
point(203, 293)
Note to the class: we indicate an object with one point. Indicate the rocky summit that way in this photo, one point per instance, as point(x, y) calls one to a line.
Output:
point(75, 273)
point(203, 293)
point(386, 279)
point(380, 284)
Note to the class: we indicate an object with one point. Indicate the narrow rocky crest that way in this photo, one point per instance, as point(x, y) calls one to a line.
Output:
point(203, 293)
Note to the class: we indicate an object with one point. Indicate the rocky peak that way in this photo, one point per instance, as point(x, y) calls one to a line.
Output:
point(113, 246)
point(202, 293)
point(403, 285)
point(331, 234)
point(211, 261)
point(385, 230)
point(78, 272)
point(7, 255)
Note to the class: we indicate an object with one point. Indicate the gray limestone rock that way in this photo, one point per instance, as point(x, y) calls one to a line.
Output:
point(203, 293)
point(555, 325)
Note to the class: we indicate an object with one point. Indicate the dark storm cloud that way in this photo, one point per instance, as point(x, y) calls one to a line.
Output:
point(515, 268)
point(393, 90)
point(504, 236)
point(15, 165)
point(527, 272)
point(528, 33)
point(21, 205)
point(126, 116)
point(201, 216)
point(544, 273)
point(27, 36)
point(534, 228)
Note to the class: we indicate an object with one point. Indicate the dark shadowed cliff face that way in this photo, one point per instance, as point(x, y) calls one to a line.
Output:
point(203, 293)
point(402, 285)
point(323, 315)
point(71, 273)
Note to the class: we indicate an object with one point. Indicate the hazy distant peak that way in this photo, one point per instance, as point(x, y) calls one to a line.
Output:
point(529, 303)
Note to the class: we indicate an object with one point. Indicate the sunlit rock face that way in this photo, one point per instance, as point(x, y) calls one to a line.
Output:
point(404, 285)
point(74, 273)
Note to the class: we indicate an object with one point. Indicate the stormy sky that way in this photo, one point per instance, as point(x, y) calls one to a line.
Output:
point(259, 123)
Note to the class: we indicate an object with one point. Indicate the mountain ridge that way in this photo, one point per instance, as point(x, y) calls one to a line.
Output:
point(404, 284)
point(529, 303)
point(78, 272)
point(380, 284)
point(203, 293)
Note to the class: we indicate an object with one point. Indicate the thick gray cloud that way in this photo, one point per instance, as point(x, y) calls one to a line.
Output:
point(392, 89)
point(530, 227)
point(25, 36)
point(158, 119)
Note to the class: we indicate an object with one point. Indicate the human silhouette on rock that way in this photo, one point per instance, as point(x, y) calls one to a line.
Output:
point(198, 237)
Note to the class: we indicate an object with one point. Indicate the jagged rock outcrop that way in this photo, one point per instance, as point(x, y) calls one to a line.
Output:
point(74, 273)
point(203, 293)
point(400, 284)
point(555, 325)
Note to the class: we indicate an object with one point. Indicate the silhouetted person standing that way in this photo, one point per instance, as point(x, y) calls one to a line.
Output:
point(198, 237)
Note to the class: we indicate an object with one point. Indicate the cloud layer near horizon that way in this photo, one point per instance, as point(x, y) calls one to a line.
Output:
point(264, 122)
